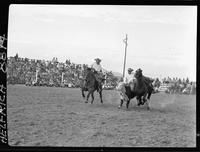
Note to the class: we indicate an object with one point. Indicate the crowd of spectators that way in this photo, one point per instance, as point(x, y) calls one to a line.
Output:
point(176, 85)
point(54, 73)
point(47, 73)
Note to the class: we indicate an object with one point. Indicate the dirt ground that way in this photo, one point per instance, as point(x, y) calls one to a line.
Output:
point(44, 116)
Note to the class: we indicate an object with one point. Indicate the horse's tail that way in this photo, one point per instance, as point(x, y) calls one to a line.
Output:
point(150, 90)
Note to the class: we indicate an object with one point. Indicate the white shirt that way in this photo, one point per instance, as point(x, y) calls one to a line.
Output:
point(129, 78)
point(97, 67)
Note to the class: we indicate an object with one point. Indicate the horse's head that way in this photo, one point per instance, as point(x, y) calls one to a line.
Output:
point(138, 74)
point(89, 71)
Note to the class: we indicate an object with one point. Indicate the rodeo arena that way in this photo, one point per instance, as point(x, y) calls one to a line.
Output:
point(47, 106)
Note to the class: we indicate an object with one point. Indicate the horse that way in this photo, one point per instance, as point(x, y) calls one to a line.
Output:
point(91, 85)
point(142, 88)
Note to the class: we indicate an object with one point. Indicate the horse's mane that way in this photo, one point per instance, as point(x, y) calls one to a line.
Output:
point(90, 74)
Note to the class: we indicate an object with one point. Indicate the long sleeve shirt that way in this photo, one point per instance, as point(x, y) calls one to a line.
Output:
point(98, 67)
point(129, 78)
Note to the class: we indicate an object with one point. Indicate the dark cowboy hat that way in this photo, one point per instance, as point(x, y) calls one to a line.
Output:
point(97, 59)
point(130, 69)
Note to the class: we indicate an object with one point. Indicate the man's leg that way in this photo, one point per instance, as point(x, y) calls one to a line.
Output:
point(123, 93)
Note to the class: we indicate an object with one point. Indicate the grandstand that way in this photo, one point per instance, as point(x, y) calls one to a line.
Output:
point(48, 73)
point(53, 73)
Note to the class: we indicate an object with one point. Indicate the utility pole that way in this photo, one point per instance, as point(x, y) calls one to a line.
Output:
point(125, 41)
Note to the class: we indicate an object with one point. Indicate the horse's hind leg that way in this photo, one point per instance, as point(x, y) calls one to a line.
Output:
point(148, 100)
point(127, 104)
point(92, 94)
point(144, 98)
point(83, 95)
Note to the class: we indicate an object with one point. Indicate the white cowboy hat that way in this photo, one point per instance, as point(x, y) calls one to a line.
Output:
point(130, 69)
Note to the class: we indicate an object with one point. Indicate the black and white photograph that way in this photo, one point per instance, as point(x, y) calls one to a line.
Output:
point(101, 75)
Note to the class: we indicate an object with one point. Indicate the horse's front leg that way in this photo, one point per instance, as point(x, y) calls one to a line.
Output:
point(88, 95)
point(121, 103)
point(83, 95)
point(100, 94)
point(145, 101)
point(139, 101)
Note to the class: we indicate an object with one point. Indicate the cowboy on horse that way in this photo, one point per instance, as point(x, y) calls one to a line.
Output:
point(99, 72)
point(93, 80)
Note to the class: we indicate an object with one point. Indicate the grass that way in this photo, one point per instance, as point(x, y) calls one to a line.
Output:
point(44, 116)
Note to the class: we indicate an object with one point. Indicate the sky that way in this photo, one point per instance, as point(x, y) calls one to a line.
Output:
point(161, 39)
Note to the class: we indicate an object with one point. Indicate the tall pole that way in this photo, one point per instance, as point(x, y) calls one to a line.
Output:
point(125, 41)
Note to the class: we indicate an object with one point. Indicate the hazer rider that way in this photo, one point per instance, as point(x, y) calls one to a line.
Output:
point(98, 71)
